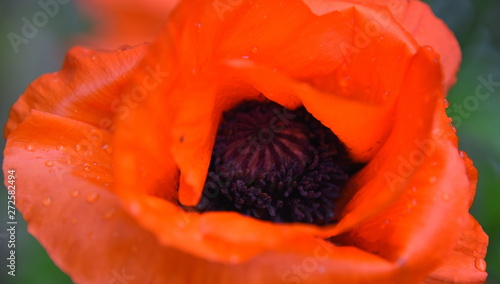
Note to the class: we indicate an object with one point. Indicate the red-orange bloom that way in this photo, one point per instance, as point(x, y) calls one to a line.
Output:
point(107, 148)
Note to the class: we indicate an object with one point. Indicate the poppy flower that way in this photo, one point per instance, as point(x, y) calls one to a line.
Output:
point(112, 152)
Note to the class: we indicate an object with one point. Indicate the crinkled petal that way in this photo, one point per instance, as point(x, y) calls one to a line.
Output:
point(87, 88)
point(429, 30)
point(465, 263)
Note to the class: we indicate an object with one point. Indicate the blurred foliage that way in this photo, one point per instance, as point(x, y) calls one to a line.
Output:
point(475, 23)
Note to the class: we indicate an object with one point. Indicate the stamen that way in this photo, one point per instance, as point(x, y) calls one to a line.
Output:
point(275, 164)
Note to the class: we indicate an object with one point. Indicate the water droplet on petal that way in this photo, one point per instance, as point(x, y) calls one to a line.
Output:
point(78, 147)
point(454, 129)
point(255, 49)
point(134, 248)
point(446, 196)
point(432, 179)
point(135, 208)
point(30, 148)
point(107, 148)
point(385, 96)
point(411, 204)
point(47, 201)
point(74, 193)
point(60, 148)
point(49, 163)
point(93, 57)
point(92, 197)
point(110, 213)
point(387, 221)
point(87, 169)
point(463, 154)
point(480, 264)
point(123, 47)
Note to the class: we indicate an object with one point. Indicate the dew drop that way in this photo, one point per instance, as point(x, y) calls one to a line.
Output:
point(245, 56)
point(92, 197)
point(74, 193)
point(135, 208)
point(49, 163)
point(30, 148)
point(343, 82)
point(387, 221)
point(411, 204)
point(47, 201)
point(123, 47)
point(107, 148)
point(445, 196)
point(93, 57)
point(385, 96)
point(480, 264)
point(109, 214)
point(463, 154)
point(432, 179)
point(60, 148)
point(446, 103)
point(86, 169)
point(134, 248)
point(255, 49)
point(454, 129)
point(78, 147)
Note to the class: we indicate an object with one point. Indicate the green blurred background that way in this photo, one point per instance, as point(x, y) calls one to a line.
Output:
point(475, 23)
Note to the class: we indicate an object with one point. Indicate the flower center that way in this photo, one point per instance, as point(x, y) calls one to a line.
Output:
point(275, 164)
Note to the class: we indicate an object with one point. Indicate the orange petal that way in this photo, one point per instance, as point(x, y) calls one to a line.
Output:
point(465, 263)
point(421, 90)
point(418, 19)
point(429, 30)
point(87, 88)
point(426, 220)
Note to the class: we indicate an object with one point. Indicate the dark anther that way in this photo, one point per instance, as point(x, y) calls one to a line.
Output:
point(275, 164)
